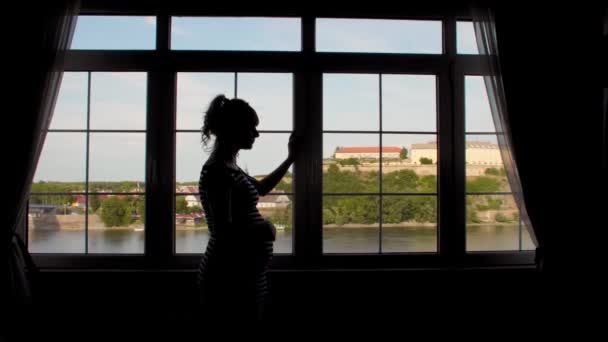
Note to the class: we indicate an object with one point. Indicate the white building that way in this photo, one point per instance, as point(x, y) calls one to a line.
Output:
point(192, 200)
point(477, 153)
point(419, 151)
point(367, 152)
point(277, 201)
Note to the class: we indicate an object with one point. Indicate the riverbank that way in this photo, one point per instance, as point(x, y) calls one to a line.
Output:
point(113, 229)
point(140, 227)
point(375, 225)
point(412, 225)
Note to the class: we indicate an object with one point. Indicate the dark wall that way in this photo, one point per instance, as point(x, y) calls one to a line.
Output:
point(313, 295)
point(553, 82)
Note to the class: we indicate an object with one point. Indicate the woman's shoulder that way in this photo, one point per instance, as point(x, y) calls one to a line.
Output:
point(218, 170)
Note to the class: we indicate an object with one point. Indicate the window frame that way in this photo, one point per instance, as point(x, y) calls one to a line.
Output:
point(307, 67)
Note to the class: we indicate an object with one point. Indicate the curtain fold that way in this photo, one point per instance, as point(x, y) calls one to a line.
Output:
point(487, 44)
point(51, 28)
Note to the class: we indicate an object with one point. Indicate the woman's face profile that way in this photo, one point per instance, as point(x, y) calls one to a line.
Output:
point(249, 133)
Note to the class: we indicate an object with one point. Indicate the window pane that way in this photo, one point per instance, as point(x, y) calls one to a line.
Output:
point(195, 92)
point(235, 34)
point(62, 164)
point(350, 224)
point(351, 162)
point(278, 208)
point(116, 224)
point(409, 224)
point(492, 223)
point(118, 100)
point(351, 102)
point(268, 152)
point(409, 103)
point(190, 240)
point(71, 107)
point(115, 33)
point(409, 163)
point(465, 38)
point(190, 156)
point(191, 231)
point(478, 115)
point(484, 168)
point(117, 157)
point(271, 96)
point(56, 224)
point(379, 36)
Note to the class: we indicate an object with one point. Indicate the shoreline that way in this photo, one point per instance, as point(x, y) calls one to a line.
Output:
point(329, 226)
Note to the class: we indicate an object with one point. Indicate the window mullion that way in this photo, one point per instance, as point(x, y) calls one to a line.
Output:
point(451, 152)
point(308, 239)
point(160, 170)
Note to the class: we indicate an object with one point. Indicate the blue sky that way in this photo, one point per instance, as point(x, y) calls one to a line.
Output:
point(350, 102)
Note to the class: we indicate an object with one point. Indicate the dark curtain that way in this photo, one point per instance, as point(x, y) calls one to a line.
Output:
point(38, 44)
point(550, 63)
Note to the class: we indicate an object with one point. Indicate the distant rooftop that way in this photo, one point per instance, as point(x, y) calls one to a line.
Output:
point(469, 144)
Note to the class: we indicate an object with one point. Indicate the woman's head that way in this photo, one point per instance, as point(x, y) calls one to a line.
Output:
point(232, 121)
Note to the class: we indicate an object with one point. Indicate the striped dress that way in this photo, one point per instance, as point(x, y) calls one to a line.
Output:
point(232, 275)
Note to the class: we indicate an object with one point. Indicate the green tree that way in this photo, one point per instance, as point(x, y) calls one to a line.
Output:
point(425, 209)
point(500, 217)
point(426, 161)
point(94, 204)
point(181, 205)
point(141, 210)
point(472, 216)
point(349, 161)
point(194, 209)
point(284, 186)
point(397, 209)
point(516, 216)
point(403, 153)
point(115, 212)
point(483, 184)
point(492, 171)
point(282, 216)
point(427, 183)
point(401, 180)
point(329, 216)
point(490, 204)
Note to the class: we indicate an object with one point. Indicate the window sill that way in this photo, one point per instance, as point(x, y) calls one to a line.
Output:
point(386, 262)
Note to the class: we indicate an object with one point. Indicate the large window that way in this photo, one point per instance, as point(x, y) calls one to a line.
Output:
point(400, 163)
